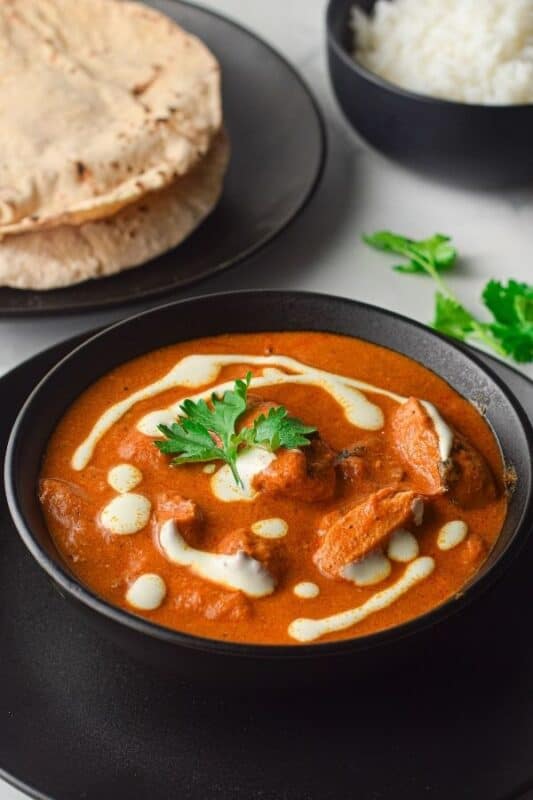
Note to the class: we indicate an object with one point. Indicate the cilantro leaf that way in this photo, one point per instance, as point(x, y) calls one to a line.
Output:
point(512, 308)
point(511, 304)
point(508, 333)
point(516, 341)
point(454, 320)
point(196, 436)
point(221, 417)
point(451, 317)
point(435, 254)
point(207, 432)
point(277, 429)
point(190, 440)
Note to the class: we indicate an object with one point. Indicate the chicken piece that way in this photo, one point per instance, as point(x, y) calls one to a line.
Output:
point(140, 450)
point(214, 603)
point(66, 503)
point(351, 464)
point(233, 606)
point(350, 536)
point(72, 511)
point(370, 460)
point(186, 513)
point(271, 554)
point(469, 478)
point(464, 474)
point(417, 443)
point(307, 475)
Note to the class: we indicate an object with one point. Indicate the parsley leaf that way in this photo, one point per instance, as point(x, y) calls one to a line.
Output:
point(511, 304)
point(432, 255)
point(454, 320)
point(189, 439)
point(277, 429)
point(207, 432)
point(222, 415)
point(508, 333)
point(451, 318)
point(512, 308)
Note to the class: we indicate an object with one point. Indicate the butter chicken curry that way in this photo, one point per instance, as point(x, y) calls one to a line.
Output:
point(273, 488)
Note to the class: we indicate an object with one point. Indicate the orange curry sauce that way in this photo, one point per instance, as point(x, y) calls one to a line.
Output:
point(107, 563)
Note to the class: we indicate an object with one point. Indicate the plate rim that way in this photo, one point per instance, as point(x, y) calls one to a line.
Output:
point(248, 254)
point(22, 786)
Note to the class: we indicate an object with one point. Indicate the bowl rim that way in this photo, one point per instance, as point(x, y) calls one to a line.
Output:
point(332, 13)
point(75, 590)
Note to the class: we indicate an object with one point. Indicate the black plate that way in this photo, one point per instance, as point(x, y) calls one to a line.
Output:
point(278, 149)
point(78, 719)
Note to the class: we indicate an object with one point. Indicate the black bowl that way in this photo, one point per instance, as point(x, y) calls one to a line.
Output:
point(485, 146)
point(225, 662)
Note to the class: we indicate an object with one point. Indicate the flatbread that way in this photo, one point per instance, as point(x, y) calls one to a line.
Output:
point(69, 254)
point(101, 101)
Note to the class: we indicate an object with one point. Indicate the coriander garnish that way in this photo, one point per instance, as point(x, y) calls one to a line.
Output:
point(207, 432)
point(508, 333)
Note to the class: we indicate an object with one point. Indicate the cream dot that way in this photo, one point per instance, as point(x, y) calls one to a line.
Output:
point(403, 546)
point(306, 590)
point(369, 570)
point(124, 477)
point(147, 592)
point(452, 534)
point(126, 513)
point(273, 528)
point(209, 469)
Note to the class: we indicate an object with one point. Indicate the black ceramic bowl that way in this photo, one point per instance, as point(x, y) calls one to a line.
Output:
point(225, 662)
point(474, 144)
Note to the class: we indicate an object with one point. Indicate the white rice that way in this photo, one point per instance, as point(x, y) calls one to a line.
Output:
point(472, 51)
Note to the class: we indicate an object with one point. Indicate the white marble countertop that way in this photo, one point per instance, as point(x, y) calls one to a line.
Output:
point(361, 191)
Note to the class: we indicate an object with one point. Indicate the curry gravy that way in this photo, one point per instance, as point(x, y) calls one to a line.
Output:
point(109, 510)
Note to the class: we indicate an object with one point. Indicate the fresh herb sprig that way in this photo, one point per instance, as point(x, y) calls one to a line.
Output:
point(433, 255)
point(207, 432)
point(508, 333)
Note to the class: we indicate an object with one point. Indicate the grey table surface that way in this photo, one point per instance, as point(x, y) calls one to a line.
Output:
point(361, 191)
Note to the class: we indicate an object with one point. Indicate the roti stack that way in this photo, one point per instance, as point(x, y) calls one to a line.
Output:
point(111, 143)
